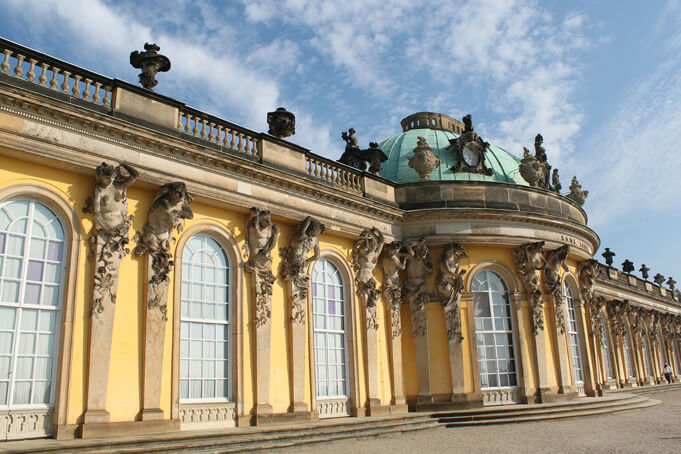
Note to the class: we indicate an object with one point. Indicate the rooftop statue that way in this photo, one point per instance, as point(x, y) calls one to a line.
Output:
point(470, 150)
point(555, 181)
point(352, 155)
point(644, 271)
point(577, 194)
point(658, 279)
point(671, 283)
point(282, 123)
point(424, 160)
point(540, 154)
point(357, 158)
point(151, 62)
point(608, 255)
point(627, 266)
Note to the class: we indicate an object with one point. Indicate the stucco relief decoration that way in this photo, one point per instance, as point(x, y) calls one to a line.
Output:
point(261, 237)
point(108, 243)
point(597, 326)
point(469, 149)
point(394, 260)
point(636, 319)
point(586, 273)
point(295, 260)
point(555, 260)
point(151, 63)
point(365, 253)
point(529, 262)
point(449, 285)
point(419, 267)
point(424, 160)
point(167, 213)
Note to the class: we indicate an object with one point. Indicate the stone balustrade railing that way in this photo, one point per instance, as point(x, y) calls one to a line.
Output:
point(214, 130)
point(40, 69)
point(333, 172)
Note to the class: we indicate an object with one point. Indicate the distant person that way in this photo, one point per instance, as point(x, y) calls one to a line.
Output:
point(667, 371)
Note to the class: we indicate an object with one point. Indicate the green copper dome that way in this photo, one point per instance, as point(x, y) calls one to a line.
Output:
point(399, 148)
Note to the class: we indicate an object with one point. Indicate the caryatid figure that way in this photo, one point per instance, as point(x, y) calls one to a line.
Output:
point(365, 253)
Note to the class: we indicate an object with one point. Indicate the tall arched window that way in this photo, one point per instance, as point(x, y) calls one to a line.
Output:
point(605, 348)
point(494, 331)
point(205, 326)
point(646, 355)
point(573, 335)
point(32, 258)
point(629, 353)
point(330, 336)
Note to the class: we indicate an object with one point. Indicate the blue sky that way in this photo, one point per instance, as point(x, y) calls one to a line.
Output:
point(600, 80)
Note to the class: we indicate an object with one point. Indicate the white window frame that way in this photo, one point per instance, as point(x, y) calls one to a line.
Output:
point(629, 353)
point(315, 330)
point(573, 335)
point(20, 307)
point(229, 347)
point(494, 332)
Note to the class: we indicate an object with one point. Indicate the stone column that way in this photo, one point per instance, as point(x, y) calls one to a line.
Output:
point(167, 213)
point(522, 312)
point(108, 246)
point(261, 237)
point(562, 347)
point(589, 382)
point(298, 298)
point(374, 407)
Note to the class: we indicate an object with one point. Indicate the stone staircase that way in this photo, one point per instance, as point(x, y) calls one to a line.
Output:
point(586, 406)
point(252, 439)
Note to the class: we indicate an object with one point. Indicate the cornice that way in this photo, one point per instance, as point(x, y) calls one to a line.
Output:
point(103, 127)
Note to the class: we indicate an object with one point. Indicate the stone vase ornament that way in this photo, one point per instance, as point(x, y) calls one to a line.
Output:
point(282, 123)
point(365, 254)
point(108, 246)
point(261, 238)
point(167, 213)
point(151, 63)
point(577, 194)
point(294, 270)
point(424, 160)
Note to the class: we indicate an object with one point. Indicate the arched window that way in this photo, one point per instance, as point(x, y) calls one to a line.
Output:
point(32, 259)
point(660, 350)
point(494, 328)
point(605, 349)
point(330, 335)
point(628, 351)
point(646, 355)
point(205, 323)
point(573, 335)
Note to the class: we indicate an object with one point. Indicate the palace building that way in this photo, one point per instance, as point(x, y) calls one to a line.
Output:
point(163, 269)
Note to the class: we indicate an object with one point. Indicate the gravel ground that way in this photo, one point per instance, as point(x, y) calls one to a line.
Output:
point(657, 430)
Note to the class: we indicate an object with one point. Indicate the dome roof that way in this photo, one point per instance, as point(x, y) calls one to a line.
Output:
point(399, 148)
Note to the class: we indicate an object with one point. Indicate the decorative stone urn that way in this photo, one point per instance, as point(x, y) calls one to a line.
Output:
point(424, 160)
point(282, 123)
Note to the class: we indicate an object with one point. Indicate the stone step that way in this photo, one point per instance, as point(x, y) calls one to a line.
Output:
point(558, 415)
point(240, 439)
point(471, 416)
